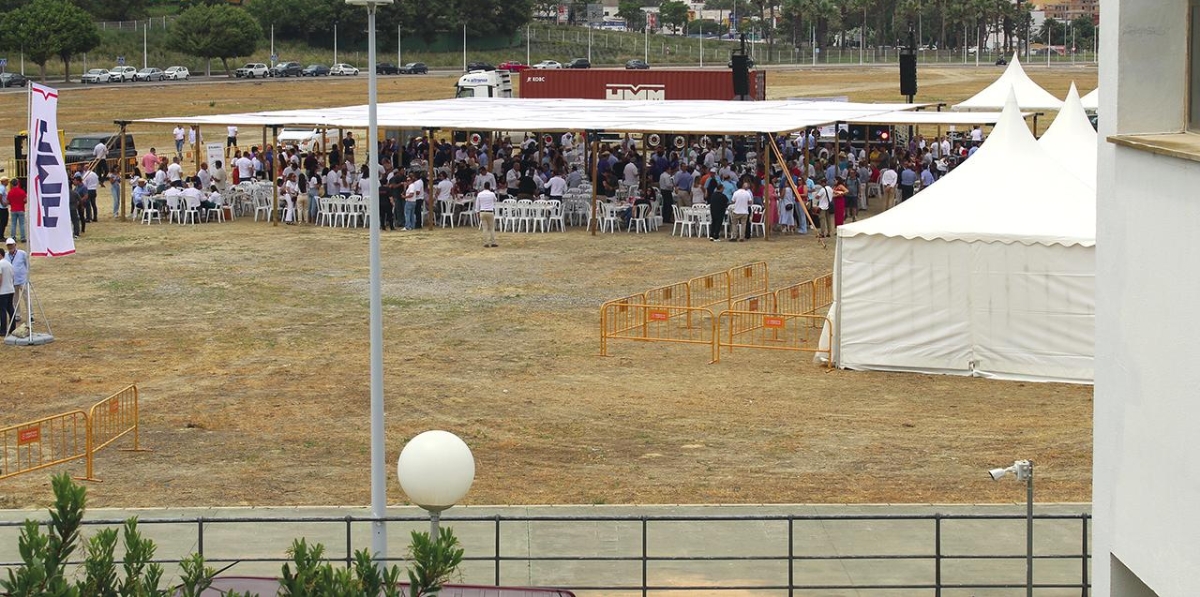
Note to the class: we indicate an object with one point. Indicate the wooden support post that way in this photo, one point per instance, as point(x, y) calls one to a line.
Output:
point(124, 174)
point(196, 148)
point(271, 178)
point(768, 205)
point(595, 182)
point(800, 206)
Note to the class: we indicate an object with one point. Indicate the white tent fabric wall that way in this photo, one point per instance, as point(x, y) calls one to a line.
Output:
point(1071, 140)
point(989, 272)
point(1091, 101)
point(1030, 95)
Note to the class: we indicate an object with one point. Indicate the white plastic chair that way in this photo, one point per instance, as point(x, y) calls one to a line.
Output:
point(324, 212)
point(447, 216)
point(639, 223)
point(758, 220)
point(261, 206)
point(524, 215)
point(149, 212)
point(611, 218)
point(174, 213)
point(557, 216)
point(682, 223)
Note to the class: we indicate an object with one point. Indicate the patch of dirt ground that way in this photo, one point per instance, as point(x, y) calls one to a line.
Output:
point(249, 344)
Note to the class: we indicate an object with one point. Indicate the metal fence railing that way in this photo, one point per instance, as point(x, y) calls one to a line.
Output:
point(891, 554)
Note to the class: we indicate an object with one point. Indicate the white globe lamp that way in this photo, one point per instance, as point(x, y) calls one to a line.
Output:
point(436, 470)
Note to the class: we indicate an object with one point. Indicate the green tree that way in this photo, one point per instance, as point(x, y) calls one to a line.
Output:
point(631, 11)
point(45, 29)
point(219, 31)
point(113, 10)
point(1051, 32)
point(673, 13)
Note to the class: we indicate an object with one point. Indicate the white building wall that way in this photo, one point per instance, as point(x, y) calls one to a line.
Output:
point(1147, 406)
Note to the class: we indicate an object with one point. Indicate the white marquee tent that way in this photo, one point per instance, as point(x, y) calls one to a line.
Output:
point(1091, 101)
point(1030, 95)
point(1071, 139)
point(989, 272)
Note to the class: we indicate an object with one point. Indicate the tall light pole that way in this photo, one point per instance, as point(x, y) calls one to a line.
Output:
point(335, 28)
point(145, 30)
point(378, 470)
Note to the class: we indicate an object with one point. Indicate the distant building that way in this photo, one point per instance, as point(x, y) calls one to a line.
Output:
point(1146, 462)
point(1069, 10)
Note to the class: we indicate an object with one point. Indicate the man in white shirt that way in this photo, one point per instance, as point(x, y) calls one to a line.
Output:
point(204, 175)
point(414, 193)
point(256, 165)
point(888, 178)
point(945, 146)
point(567, 141)
point(231, 137)
point(178, 133)
point(630, 173)
point(100, 152)
point(742, 198)
point(192, 196)
point(7, 289)
point(822, 199)
point(444, 189)
point(92, 182)
point(666, 191)
point(219, 177)
point(485, 204)
point(484, 177)
point(556, 187)
point(976, 136)
point(245, 168)
point(174, 170)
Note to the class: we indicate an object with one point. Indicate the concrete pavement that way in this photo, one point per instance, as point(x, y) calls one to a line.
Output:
point(838, 546)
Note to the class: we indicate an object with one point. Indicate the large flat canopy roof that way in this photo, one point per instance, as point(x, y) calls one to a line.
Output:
point(933, 118)
point(495, 114)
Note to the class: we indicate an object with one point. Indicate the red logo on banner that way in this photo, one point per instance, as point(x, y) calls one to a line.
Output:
point(29, 435)
point(773, 322)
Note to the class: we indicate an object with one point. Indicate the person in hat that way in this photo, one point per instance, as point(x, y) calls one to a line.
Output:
point(19, 260)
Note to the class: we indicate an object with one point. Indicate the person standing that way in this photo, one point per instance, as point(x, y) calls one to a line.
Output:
point(150, 162)
point(76, 205)
point(741, 212)
point(718, 202)
point(91, 181)
point(178, 134)
point(3, 203)
point(485, 204)
point(20, 266)
point(7, 316)
point(100, 153)
point(414, 194)
point(888, 179)
point(908, 179)
point(666, 193)
point(231, 137)
point(822, 200)
point(114, 185)
point(16, 208)
point(348, 146)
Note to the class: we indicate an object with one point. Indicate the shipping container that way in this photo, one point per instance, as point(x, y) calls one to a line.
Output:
point(620, 84)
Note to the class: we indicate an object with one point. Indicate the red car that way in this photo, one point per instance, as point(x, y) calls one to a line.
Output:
point(513, 66)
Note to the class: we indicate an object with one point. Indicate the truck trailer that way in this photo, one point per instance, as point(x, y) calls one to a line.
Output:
point(612, 84)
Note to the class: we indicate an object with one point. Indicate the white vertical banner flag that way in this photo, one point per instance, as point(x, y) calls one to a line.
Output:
point(50, 233)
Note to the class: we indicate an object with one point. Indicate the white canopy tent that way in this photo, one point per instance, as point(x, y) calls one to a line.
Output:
point(503, 114)
point(1091, 101)
point(988, 272)
point(1071, 140)
point(1030, 95)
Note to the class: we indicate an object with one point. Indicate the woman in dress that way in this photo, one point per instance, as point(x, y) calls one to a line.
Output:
point(787, 209)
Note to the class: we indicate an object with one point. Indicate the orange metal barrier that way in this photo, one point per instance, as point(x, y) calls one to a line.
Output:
point(770, 331)
point(755, 303)
point(797, 298)
point(674, 295)
point(748, 279)
point(709, 291)
point(655, 323)
point(823, 292)
point(43, 443)
point(111, 419)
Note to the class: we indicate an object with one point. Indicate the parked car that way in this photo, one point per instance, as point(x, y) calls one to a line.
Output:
point(178, 73)
point(12, 80)
point(474, 66)
point(637, 64)
point(96, 75)
point(315, 70)
point(121, 74)
point(343, 69)
point(286, 69)
point(548, 64)
point(251, 70)
point(307, 139)
point(513, 66)
point(149, 74)
point(415, 68)
point(82, 148)
point(580, 63)
point(386, 68)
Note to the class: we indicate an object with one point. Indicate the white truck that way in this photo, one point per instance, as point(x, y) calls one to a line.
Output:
point(484, 83)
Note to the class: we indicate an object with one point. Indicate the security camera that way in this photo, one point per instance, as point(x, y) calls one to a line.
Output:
point(997, 473)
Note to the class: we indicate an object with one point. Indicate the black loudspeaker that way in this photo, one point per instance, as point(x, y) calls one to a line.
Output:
point(741, 75)
point(908, 74)
point(460, 136)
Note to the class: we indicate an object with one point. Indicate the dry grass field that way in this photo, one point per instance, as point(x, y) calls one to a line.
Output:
point(249, 344)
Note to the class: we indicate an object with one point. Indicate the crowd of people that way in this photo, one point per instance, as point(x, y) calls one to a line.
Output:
point(830, 181)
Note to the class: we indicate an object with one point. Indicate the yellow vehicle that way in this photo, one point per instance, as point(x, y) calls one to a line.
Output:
point(21, 151)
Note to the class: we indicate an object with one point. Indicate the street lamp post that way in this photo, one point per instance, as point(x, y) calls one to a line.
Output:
point(1023, 471)
point(436, 469)
point(378, 468)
